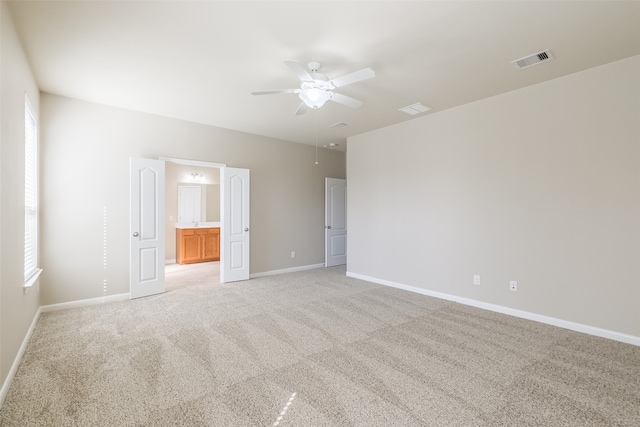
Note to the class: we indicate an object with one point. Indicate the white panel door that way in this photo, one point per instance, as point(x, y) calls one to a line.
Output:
point(234, 212)
point(335, 236)
point(146, 234)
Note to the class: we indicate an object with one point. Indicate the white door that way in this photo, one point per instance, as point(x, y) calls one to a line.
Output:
point(234, 218)
point(335, 233)
point(146, 198)
point(189, 198)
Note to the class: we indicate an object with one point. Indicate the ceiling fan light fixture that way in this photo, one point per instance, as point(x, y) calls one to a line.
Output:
point(314, 97)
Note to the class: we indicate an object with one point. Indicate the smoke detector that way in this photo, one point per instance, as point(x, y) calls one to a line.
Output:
point(534, 59)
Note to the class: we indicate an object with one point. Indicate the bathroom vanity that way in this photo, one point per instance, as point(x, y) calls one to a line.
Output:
point(197, 243)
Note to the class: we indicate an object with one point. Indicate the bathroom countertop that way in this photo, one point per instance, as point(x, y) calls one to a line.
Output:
point(200, 225)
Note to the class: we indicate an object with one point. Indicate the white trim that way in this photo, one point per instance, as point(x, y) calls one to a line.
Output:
point(169, 261)
point(84, 302)
point(18, 358)
point(286, 270)
point(32, 279)
point(193, 162)
point(578, 327)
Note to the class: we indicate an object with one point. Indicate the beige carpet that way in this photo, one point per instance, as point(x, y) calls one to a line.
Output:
point(314, 348)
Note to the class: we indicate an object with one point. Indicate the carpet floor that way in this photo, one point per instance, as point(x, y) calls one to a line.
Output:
point(313, 348)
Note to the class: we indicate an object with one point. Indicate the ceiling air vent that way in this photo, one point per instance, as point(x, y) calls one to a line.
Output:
point(414, 109)
point(339, 125)
point(534, 59)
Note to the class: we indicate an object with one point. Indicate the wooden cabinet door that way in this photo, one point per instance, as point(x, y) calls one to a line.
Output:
point(211, 245)
point(191, 251)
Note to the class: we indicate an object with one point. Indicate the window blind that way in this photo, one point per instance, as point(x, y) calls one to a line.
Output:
point(30, 192)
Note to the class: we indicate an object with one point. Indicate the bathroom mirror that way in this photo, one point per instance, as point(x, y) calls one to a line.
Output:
point(198, 202)
point(207, 180)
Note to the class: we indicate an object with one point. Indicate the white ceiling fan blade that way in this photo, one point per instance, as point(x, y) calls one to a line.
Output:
point(299, 71)
point(270, 92)
point(354, 77)
point(302, 108)
point(346, 100)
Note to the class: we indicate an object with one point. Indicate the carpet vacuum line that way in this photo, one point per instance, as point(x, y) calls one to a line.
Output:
point(285, 409)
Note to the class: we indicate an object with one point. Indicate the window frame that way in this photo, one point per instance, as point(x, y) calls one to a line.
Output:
point(31, 194)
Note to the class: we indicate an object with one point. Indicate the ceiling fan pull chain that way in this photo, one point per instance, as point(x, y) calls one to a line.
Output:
point(316, 114)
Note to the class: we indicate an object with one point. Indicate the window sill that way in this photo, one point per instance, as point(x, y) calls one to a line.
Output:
point(32, 280)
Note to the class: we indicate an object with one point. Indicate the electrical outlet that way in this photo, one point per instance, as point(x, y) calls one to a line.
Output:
point(513, 286)
point(476, 279)
point(293, 254)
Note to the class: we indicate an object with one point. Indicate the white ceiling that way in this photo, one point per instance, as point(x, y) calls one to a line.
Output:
point(200, 61)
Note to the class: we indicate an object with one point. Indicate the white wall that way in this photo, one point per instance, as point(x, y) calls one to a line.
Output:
point(85, 167)
point(540, 185)
point(17, 309)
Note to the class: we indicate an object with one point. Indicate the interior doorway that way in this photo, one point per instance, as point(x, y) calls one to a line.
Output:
point(148, 224)
point(191, 275)
point(186, 180)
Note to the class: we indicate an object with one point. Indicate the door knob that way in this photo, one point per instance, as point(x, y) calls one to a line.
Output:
point(135, 234)
point(329, 227)
point(246, 229)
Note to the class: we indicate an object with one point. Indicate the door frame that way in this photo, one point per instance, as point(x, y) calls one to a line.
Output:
point(329, 233)
point(180, 162)
point(202, 164)
point(199, 163)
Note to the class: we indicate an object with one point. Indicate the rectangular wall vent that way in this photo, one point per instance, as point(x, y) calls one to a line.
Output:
point(534, 59)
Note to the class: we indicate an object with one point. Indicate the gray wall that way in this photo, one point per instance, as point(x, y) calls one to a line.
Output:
point(213, 203)
point(540, 185)
point(85, 167)
point(17, 308)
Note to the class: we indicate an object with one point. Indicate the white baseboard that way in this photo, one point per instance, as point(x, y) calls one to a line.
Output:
point(578, 327)
point(18, 358)
point(169, 261)
point(286, 270)
point(84, 302)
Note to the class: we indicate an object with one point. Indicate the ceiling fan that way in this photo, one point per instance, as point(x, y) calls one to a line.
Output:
point(316, 88)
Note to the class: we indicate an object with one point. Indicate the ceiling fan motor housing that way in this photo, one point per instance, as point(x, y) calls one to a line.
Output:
point(314, 66)
point(316, 88)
